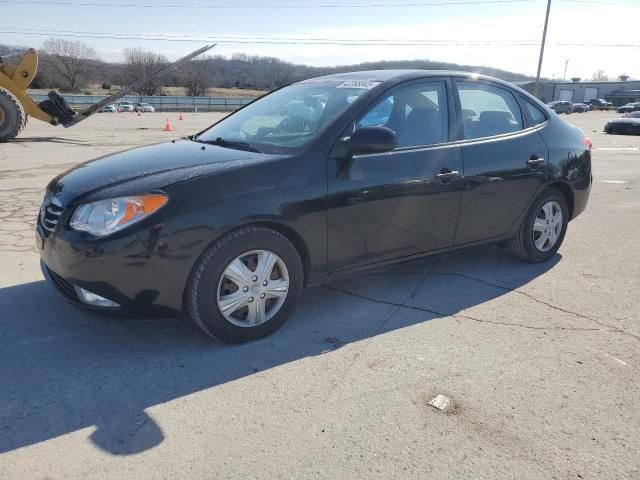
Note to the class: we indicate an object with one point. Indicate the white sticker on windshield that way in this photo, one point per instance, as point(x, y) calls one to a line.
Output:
point(368, 84)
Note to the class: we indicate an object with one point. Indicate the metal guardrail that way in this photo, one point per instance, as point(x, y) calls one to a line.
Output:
point(160, 103)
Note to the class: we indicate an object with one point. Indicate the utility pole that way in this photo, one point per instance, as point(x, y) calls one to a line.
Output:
point(536, 90)
point(564, 77)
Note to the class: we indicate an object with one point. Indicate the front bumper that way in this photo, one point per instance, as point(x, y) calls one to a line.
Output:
point(119, 269)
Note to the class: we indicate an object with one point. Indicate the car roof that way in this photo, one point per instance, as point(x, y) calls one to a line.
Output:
point(397, 75)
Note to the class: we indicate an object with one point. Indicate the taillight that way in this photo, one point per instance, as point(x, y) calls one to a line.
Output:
point(587, 142)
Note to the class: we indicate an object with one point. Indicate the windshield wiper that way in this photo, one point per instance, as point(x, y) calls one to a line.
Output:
point(221, 142)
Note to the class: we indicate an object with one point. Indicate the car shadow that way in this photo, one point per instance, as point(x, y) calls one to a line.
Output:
point(64, 369)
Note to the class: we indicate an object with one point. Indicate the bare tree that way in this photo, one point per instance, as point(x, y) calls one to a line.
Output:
point(139, 63)
point(599, 76)
point(70, 60)
point(196, 78)
point(282, 73)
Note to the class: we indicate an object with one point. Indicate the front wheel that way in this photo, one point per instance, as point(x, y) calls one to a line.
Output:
point(246, 285)
point(543, 228)
point(12, 116)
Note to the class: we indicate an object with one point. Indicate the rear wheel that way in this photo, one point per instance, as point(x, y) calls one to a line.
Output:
point(543, 228)
point(246, 285)
point(12, 116)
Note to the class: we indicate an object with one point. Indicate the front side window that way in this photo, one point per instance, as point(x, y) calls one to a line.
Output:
point(488, 110)
point(290, 117)
point(417, 113)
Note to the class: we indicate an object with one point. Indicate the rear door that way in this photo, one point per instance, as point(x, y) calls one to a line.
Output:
point(403, 202)
point(504, 159)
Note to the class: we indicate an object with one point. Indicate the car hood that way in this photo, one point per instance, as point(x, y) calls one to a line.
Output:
point(146, 168)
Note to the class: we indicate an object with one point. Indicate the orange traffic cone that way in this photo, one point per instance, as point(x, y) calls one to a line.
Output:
point(167, 126)
point(180, 117)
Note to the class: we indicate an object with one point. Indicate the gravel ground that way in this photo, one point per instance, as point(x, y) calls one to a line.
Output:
point(540, 362)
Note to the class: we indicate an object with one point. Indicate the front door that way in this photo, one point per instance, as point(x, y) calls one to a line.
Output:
point(403, 202)
point(504, 162)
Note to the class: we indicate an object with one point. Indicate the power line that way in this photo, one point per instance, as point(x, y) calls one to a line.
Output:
point(452, 3)
point(256, 41)
point(600, 2)
point(163, 36)
point(265, 6)
point(297, 41)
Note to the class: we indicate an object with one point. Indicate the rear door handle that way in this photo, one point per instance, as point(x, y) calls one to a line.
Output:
point(447, 174)
point(533, 161)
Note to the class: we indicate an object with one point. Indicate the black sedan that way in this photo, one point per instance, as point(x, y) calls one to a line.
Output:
point(628, 125)
point(317, 180)
point(580, 107)
point(561, 106)
point(629, 107)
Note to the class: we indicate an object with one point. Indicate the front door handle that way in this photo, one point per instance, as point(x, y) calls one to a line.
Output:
point(445, 174)
point(535, 160)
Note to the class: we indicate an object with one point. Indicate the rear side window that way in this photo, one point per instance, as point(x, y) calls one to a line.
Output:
point(536, 115)
point(488, 110)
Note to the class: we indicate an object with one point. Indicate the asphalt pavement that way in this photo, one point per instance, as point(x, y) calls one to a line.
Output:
point(539, 362)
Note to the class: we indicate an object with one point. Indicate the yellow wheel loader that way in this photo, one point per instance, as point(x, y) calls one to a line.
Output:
point(16, 106)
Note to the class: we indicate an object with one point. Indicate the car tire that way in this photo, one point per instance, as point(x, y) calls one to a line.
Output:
point(210, 287)
point(528, 244)
point(12, 116)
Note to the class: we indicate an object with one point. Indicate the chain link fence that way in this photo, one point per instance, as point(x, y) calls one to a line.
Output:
point(160, 103)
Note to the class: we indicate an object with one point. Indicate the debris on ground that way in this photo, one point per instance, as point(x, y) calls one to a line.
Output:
point(440, 402)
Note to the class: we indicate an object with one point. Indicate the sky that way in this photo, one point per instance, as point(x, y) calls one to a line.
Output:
point(476, 32)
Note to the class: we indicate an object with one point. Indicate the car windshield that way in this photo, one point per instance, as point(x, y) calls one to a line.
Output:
point(289, 118)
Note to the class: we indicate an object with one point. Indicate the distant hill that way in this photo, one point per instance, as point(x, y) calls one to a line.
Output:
point(240, 71)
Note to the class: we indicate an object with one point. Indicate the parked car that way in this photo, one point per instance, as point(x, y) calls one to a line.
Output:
point(629, 125)
point(125, 106)
point(629, 107)
point(580, 107)
point(600, 104)
point(109, 109)
point(560, 106)
point(144, 107)
point(231, 223)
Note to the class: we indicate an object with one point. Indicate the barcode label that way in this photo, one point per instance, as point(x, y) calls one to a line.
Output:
point(368, 84)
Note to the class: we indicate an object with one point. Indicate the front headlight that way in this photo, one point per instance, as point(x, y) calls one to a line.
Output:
point(105, 217)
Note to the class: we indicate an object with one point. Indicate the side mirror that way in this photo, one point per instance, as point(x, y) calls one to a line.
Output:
point(372, 140)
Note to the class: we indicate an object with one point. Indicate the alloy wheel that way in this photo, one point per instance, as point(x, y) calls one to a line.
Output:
point(547, 226)
point(253, 288)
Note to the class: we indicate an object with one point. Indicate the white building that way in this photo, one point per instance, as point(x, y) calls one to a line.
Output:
point(618, 92)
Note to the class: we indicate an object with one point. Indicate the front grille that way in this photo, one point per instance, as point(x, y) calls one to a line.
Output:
point(49, 214)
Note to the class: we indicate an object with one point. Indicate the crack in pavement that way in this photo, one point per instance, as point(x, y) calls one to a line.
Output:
point(520, 292)
point(460, 316)
point(379, 328)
